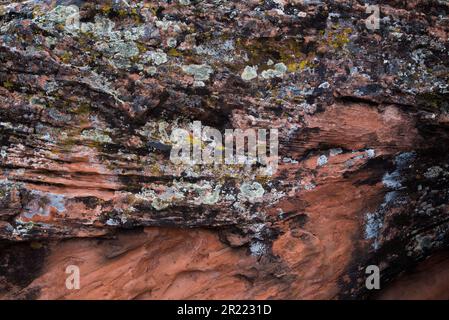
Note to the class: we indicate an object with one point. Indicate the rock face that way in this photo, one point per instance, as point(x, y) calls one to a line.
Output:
point(91, 91)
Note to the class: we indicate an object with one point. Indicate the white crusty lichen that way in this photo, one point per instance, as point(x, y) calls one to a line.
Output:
point(335, 152)
point(324, 85)
point(373, 226)
point(433, 172)
point(371, 153)
point(112, 222)
point(258, 248)
point(394, 179)
point(321, 161)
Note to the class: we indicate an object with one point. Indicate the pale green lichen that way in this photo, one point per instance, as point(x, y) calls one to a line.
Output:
point(119, 45)
point(200, 72)
point(120, 51)
point(279, 70)
point(251, 190)
point(155, 57)
point(134, 33)
point(249, 73)
point(208, 196)
point(66, 16)
point(168, 24)
point(160, 201)
point(96, 135)
point(202, 193)
point(103, 27)
point(151, 70)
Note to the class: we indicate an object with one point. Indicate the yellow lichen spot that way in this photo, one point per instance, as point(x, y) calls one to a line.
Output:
point(142, 48)
point(8, 84)
point(66, 56)
point(339, 39)
point(37, 12)
point(174, 53)
point(106, 9)
point(299, 66)
point(262, 179)
point(196, 142)
point(292, 67)
point(122, 13)
point(303, 64)
point(153, 10)
point(155, 170)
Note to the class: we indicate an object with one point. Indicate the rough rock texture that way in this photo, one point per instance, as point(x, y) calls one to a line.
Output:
point(90, 91)
point(429, 280)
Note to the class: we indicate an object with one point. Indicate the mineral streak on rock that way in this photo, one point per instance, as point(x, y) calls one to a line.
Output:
point(90, 92)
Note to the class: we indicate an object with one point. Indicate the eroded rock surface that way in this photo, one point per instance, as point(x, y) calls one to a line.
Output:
point(90, 92)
